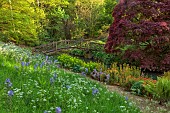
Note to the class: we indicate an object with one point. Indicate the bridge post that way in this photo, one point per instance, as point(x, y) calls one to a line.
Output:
point(81, 43)
point(56, 46)
point(53, 44)
point(65, 43)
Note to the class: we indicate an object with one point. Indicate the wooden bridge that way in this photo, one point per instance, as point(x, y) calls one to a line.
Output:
point(54, 47)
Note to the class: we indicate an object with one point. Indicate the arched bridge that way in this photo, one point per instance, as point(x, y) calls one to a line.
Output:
point(54, 47)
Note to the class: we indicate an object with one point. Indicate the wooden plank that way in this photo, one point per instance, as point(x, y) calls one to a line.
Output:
point(69, 44)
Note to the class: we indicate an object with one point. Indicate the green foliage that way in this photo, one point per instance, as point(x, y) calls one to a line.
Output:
point(119, 74)
point(150, 89)
point(92, 65)
point(160, 90)
point(137, 88)
point(89, 12)
point(78, 65)
point(69, 61)
point(163, 89)
point(104, 57)
point(105, 18)
point(77, 52)
point(167, 75)
point(97, 55)
point(56, 18)
point(34, 22)
point(20, 25)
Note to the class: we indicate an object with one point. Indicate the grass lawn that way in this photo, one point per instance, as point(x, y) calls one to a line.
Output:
point(35, 84)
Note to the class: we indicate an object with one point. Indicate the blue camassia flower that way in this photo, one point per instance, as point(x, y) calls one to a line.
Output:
point(94, 70)
point(27, 63)
point(86, 70)
point(10, 93)
point(126, 98)
point(46, 58)
point(42, 64)
point(95, 91)
point(68, 87)
point(58, 110)
point(51, 80)
point(7, 81)
point(83, 74)
point(22, 64)
point(55, 76)
point(35, 66)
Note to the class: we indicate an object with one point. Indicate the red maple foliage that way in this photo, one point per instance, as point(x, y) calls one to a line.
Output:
point(145, 26)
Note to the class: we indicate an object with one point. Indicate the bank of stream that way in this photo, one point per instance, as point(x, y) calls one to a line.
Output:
point(151, 74)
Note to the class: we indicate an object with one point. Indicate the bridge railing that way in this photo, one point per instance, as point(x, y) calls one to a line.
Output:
point(68, 44)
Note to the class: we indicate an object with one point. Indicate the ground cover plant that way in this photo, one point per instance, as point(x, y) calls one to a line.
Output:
point(35, 83)
point(78, 65)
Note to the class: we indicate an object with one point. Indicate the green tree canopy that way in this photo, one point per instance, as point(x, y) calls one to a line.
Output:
point(19, 21)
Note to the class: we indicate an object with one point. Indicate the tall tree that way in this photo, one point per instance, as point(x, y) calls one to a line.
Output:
point(58, 18)
point(19, 21)
point(89, 13)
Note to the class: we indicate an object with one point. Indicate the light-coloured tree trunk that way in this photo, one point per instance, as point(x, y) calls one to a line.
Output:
point(12, 16)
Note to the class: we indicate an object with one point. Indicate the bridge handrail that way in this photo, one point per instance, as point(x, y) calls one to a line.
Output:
point(67, 44)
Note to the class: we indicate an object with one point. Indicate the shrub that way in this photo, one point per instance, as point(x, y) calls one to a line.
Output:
point(167, 75)
point(97, 55)
point(163, 89)
point(150, 89)
point(77, 52)
point(137, 88)
point(131, 80)
point(78, 65)
point(141, 30)
point(120, 74)
point(103, 57)
point(70, 62)
point(93, 65)
point(160, 90)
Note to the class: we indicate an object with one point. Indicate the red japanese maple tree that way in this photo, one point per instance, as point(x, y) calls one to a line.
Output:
point(141, 30)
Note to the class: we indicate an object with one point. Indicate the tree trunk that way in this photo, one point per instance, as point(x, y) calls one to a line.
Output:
point(67, 29)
